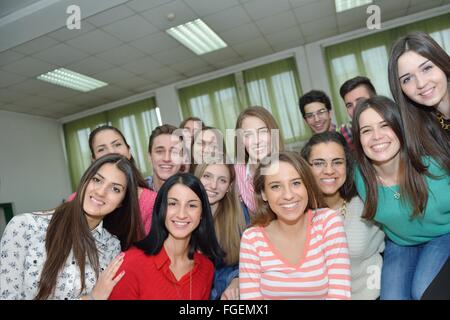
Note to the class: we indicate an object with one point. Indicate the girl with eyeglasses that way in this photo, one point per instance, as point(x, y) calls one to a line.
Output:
point(332, 167)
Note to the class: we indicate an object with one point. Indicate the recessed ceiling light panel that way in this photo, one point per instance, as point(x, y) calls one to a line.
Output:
point(343, 5)
point(197, 36)
point(73, 80)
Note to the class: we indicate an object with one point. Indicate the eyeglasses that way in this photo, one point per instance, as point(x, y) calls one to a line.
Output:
point(322, 164)
point(322, 113)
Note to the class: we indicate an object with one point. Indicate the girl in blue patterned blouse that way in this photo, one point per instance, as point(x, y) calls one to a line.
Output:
point(60, 254)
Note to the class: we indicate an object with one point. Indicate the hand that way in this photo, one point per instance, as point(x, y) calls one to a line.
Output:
point(106, 281)
point(232, 292)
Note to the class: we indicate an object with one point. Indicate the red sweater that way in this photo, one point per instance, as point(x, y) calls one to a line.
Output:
point(148, 277)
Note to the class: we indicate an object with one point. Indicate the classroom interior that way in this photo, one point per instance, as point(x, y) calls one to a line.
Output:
point(154, 79)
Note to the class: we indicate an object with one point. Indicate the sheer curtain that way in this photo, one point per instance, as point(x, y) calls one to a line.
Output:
point(76, 134)
point(136, 121)
point(276, 87)
point(216, 102)
point(369, 56)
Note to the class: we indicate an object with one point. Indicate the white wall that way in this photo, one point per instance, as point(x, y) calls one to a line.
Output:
point(33, 170)
point(167, 101)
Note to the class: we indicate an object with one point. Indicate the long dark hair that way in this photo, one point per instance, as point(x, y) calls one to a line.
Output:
point(424, 136)
point(203, 238)
point(68, 229)
point(411, 181)
point(138, 176)
point(348, 189)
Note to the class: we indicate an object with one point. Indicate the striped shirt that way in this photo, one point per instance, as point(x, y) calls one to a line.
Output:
point(322, 273)
point(244, 181)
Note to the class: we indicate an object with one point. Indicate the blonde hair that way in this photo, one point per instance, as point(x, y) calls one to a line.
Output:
point(229, 222)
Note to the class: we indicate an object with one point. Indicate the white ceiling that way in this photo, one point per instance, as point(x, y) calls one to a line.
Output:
point(126, 46)
point(9, 6)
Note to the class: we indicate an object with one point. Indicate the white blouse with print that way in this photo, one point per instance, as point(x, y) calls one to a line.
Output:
point(22, 257)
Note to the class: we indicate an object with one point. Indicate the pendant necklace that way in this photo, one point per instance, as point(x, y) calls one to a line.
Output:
point(343, 209)
point(396, 193)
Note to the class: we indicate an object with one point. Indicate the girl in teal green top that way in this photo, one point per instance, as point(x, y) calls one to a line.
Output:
point(408, 193)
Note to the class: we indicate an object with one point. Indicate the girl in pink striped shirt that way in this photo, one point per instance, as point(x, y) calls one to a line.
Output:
point(294, 250)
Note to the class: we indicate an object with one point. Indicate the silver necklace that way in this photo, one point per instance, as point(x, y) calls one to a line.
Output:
point(396, 193)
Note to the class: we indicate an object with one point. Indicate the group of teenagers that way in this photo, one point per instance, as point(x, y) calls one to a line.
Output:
point(362, 211)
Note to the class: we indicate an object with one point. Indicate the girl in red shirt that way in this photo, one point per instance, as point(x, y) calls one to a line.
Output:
point(176, 260)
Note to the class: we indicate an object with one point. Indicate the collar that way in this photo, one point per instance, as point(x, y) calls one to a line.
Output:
point(163, 260)
point(98, 232)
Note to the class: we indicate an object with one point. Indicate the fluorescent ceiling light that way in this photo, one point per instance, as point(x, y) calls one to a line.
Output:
point(342, 5)
point(197, 36)
point(73, 80)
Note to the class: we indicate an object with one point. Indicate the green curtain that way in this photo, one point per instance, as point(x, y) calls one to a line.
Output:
point(216, 102)
point(76, 134)
point(136, 121)
point(369, 56)
point(276, 87)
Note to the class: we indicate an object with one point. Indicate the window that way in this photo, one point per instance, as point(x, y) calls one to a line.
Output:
point(276, 87)
point(136, 122)
point(368, 56)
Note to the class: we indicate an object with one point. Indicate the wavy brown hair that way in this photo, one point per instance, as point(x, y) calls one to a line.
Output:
point(68, 230)
point(264, 214)
point(411, 181)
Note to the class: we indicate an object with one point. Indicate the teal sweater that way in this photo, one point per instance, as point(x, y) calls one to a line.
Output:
point(395, 216)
